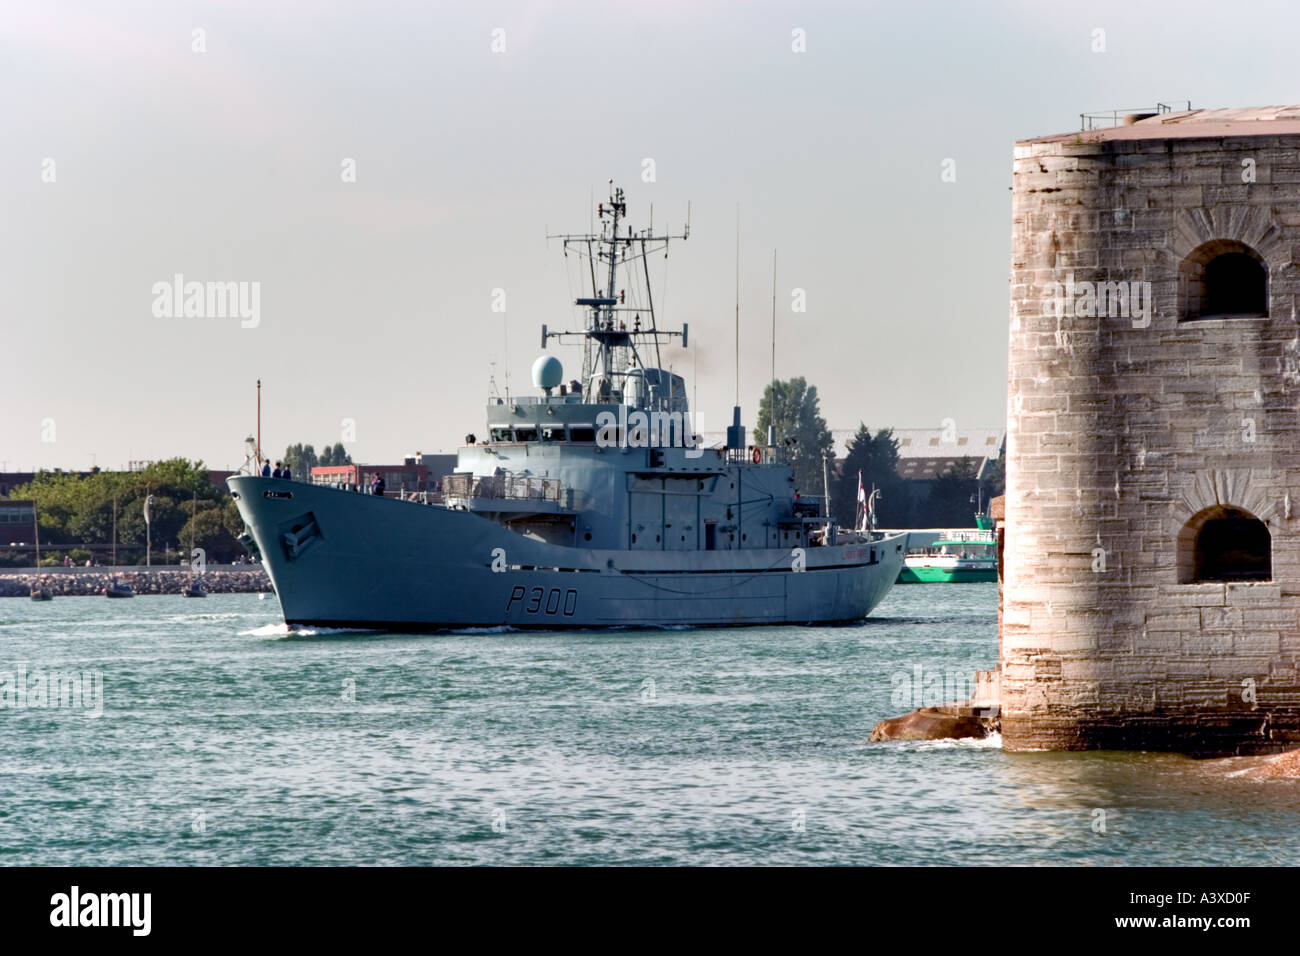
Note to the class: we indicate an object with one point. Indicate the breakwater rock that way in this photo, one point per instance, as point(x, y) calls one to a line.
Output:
point(978, 717)
point(82, 582)
point(936, 723)
point(1283, 766)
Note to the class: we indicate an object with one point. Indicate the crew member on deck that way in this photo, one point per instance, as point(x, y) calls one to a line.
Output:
point(378, 486)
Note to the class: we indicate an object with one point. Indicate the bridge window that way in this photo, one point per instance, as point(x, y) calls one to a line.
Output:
point(1223, 279)
point(1225, 544)
point(578, 433)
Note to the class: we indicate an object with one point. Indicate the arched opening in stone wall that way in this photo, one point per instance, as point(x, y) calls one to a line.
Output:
point(1220, 279)
point(1224, 544)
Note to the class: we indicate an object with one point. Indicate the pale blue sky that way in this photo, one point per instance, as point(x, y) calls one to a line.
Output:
point(376, 295)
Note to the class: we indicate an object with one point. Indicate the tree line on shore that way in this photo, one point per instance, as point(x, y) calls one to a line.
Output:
point(80, 511)
point(301, 458)
point(951, 501)
point(76, 510)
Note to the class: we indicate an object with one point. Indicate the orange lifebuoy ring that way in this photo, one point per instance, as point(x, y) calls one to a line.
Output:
point(757, 456)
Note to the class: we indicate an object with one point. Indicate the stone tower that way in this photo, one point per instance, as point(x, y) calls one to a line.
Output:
point(1152, 558)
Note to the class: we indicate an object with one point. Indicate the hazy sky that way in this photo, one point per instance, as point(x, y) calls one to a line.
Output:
point(376, 295)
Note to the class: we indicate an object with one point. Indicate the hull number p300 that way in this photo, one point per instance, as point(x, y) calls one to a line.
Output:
point(541, 601)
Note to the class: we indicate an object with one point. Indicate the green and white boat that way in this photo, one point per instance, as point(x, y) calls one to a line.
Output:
point(957, 556)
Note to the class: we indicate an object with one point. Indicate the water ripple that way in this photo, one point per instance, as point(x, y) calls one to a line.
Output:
point(226, 738)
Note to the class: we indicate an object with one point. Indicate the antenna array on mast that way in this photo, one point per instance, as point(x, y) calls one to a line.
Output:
point(610, 348)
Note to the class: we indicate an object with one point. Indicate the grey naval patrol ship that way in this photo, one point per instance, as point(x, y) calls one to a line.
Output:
point(591, 504)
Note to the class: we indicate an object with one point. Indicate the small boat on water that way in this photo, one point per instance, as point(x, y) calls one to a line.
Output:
point(41, 593)
point(960, 556)
point(196, 588)
point(118, 589)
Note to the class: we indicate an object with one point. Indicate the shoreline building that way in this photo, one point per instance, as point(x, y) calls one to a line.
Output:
point(926, 454)
point(1152, 552)
point(17, 523)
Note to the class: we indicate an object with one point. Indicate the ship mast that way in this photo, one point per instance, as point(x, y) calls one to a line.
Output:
point(610, 348)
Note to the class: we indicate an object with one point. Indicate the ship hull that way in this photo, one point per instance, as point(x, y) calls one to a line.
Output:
point(911, 575)
point(349, 560)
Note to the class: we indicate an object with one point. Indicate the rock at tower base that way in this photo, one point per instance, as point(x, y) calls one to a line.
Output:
point(935, 723)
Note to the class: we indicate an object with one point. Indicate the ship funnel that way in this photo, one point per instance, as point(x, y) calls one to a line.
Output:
point(735, 431)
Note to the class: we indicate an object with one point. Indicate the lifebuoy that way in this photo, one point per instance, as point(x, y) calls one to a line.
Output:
point(757, 456)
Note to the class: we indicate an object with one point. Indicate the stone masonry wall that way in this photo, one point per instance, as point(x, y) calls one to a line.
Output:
point(1119, 434)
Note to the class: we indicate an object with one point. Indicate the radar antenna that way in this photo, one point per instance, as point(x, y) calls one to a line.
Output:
point(610, 348)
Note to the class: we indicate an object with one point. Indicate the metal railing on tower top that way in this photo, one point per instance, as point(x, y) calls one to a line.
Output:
point(1104, 119)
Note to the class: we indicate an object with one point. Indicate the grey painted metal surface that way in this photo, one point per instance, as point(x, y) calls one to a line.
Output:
point(340, 558)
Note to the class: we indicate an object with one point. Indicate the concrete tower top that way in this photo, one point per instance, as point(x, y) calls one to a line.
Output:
point(1193, 124)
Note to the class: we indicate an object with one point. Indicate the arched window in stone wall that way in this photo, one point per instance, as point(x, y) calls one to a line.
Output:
point(1224, 544)
point(1222, 278)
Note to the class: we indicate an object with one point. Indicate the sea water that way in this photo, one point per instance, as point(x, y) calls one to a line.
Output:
point(224, 739)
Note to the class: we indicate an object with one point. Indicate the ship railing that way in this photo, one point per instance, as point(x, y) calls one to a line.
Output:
point(420, 497)
point(515, 487)
point(766, 455)
point(971, 536)
point(567, 398)
point(401, 494)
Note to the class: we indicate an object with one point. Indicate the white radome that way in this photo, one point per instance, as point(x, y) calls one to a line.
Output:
point(547, 372)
